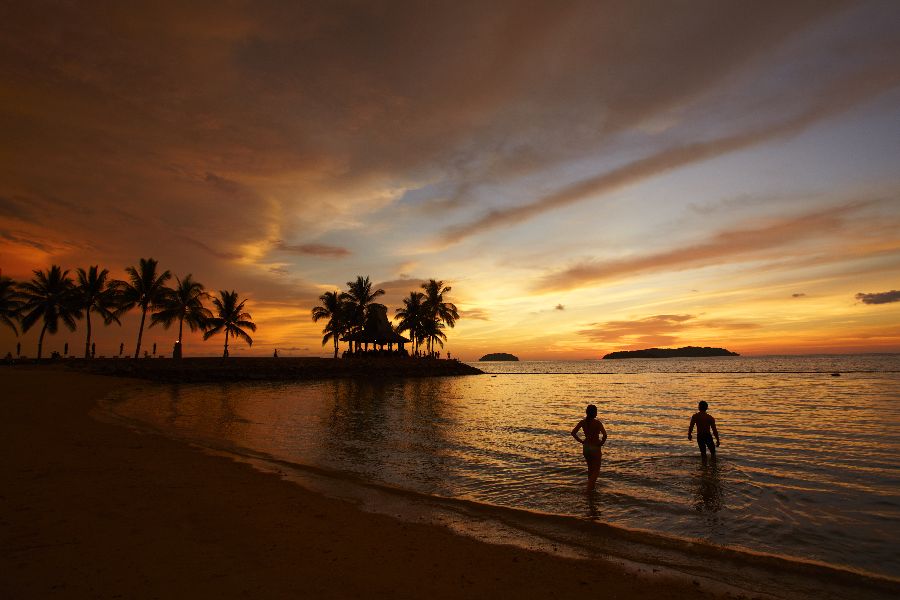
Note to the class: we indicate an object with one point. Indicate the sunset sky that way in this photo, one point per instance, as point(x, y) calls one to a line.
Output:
point(587, 176)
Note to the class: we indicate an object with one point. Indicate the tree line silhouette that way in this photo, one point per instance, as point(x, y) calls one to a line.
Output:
point(424, 314)
point(53, 296)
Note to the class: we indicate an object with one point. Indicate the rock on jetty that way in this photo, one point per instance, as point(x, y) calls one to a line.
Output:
point(196, 370)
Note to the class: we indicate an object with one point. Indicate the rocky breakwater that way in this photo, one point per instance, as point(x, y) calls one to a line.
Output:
point(196, 370)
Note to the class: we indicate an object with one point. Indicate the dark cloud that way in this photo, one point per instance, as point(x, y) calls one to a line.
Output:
point(37, 209)
point(24, 241)
point(320, 250)
point(841, 96)
point(200, 132)
point(241, 118)
point(798, 295)
point(17, 207)
point(559, 307)
point(216, 253)
point(879, 297)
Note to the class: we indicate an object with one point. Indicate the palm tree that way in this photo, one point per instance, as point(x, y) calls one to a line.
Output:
point(94, 294)
point(359, 297)
point(184, 304)
point(436, 309)
point(412, 317)
point(230, 318)
point(144, 288)
point(49, 297)
point(433, 333)
point(10, 303)
point(334, 308)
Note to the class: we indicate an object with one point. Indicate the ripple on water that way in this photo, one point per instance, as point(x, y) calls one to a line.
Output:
point(808, 467)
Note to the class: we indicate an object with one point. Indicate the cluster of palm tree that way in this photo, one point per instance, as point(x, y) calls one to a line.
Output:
point(52, 297)
point(425, 315)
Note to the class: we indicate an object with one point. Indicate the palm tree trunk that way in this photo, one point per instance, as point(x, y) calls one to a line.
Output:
point(137, 351)
point(41, 340)
point(225, 354)
point(335, 345)
point(178, 351)
point(87, 341)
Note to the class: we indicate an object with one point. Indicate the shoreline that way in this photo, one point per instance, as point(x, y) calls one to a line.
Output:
point(96, 509)
point(558, 533)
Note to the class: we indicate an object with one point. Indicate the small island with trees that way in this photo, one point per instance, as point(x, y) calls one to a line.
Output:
point(496, 356)
point(686, 351)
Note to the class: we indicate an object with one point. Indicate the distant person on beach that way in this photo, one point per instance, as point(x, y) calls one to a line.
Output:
point(704, 422)
point(591, 443)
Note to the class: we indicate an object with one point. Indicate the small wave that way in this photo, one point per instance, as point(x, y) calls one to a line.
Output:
point(508, 445)
point(784, 576)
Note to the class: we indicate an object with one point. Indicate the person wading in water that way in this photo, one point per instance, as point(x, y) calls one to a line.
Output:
point(592, 443)
point(704, 422)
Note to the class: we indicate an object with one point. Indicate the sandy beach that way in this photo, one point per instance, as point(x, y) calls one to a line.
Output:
point(95, 510)
point(92, 509)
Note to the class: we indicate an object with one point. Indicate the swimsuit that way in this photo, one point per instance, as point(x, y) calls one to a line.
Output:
point(590, 452)
point(705, 440)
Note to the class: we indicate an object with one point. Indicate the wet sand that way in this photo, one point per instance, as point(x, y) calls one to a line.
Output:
point(92, 509)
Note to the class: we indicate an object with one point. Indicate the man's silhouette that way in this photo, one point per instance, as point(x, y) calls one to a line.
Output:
point(704, 422)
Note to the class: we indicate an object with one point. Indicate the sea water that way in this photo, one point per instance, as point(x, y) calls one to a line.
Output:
point(809, 465)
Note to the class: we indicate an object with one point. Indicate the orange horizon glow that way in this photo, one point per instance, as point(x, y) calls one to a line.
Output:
point(590, 179)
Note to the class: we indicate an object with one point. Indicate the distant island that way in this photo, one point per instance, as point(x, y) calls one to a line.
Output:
point(498, 356)
point(691, 351)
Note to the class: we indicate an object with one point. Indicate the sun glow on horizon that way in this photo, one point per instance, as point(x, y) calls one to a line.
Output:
point(604, 182)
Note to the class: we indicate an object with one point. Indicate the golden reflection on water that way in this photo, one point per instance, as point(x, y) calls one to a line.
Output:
point(708, 488)
point(791, 475)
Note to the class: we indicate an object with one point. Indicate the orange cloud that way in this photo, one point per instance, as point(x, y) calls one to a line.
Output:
point(769, 239)
point(322, 250)
point(657, 329)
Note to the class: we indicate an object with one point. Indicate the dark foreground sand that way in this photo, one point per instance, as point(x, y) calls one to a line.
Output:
point(90, 509)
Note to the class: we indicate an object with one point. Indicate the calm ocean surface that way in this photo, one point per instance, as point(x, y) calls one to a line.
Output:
point(809, 465)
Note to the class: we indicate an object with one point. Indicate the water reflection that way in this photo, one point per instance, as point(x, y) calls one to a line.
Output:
point(707, 487)
point(594, 504)
point(356, 420)
point(174, 395)
point(504, 440)
point(396, 430)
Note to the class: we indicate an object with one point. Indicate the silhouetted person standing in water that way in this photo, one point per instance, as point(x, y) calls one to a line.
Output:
point(704, 422)
point(592, 443)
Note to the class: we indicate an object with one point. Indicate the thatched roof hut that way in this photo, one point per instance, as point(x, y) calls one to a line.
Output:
point(377, 330)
